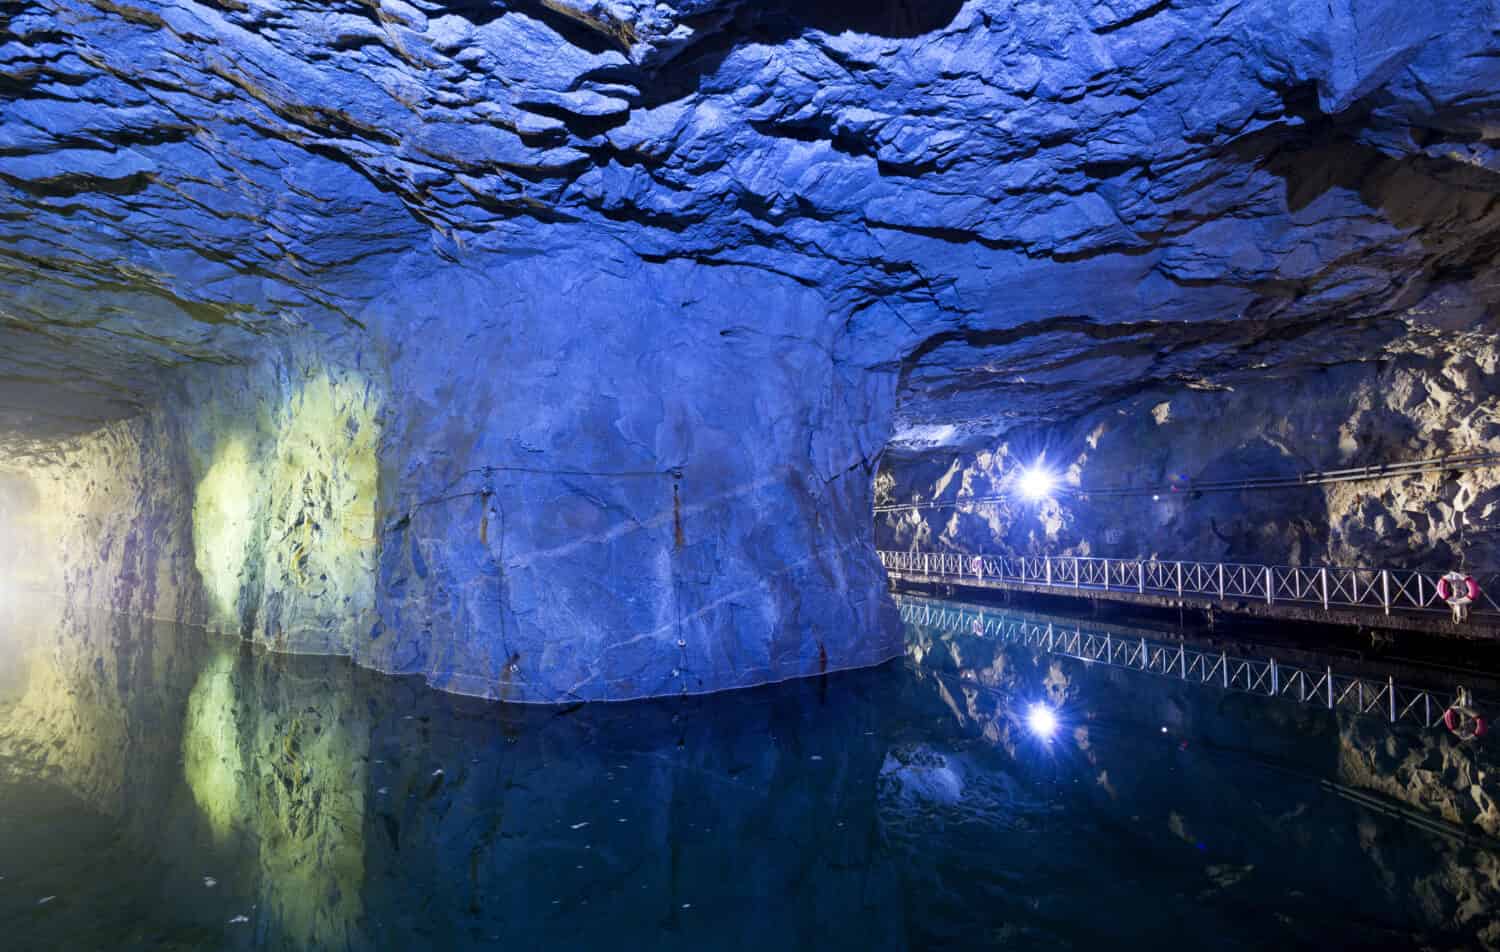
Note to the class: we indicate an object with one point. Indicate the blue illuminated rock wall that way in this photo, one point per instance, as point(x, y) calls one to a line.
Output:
point(653, 482)
point(604, 480)
point(547, 349)
point(1426, 394)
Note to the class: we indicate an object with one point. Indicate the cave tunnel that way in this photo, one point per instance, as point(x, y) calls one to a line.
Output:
point(716, 474)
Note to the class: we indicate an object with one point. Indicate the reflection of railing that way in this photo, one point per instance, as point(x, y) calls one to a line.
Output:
point(1266, 677)
point(1328, 587)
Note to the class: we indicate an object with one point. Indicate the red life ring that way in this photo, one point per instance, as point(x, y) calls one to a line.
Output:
point(1454, 720)
point(1446, 593)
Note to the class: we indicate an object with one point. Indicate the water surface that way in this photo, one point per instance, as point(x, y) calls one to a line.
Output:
point(164, 789)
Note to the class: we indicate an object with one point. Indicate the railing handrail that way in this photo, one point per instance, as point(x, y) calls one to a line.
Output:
point(1265, 677)
point(1325, 585)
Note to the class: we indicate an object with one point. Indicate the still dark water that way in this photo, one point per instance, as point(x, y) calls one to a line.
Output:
point(165, 790)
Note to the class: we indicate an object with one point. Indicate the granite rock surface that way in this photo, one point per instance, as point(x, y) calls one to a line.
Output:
point(618, 304)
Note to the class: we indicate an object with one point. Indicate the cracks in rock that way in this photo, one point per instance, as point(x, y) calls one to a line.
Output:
point(1145, 13)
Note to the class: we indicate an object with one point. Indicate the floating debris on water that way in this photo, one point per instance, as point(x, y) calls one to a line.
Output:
point(579, 826)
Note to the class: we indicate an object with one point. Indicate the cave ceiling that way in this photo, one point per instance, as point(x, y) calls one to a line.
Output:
point(1026, 207)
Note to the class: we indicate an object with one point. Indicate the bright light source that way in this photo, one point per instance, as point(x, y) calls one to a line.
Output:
point(1042, 721)
point(1036, 483)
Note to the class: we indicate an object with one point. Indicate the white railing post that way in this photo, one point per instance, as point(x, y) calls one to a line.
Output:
point(1270, 586)
point(1385, 589)
point(1221, 581)
point(1328, 672)
point(1224, 660)
point(1106, 575)
point(1047, 564)
point(1275, 680)
point(1323, 582)
point(1390, 686)
point(1140, 576)
point(1077, 573)
point(1179, 579)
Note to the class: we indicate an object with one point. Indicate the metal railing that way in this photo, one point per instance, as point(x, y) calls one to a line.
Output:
point(1265, 677)
point(1325, 586)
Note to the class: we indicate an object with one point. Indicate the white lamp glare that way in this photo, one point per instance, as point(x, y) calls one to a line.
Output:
point(1036, 483)
point(1042, 721)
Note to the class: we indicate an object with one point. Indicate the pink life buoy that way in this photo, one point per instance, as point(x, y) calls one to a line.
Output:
point(1448, 591)
point(1464, 723)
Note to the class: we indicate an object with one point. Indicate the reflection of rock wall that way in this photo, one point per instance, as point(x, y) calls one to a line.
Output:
point(1221, 773)
point(215, 759)
point(324, 798)
point(740, 822)
point(1430, 394)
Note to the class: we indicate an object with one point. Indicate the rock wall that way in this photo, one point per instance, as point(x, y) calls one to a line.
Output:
point(609, 306)
point(512, 504)
point(1428, 392)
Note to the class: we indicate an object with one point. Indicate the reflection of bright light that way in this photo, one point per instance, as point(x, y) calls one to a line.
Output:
point(1036, 483)
point(1042, 721)
point(211, 757)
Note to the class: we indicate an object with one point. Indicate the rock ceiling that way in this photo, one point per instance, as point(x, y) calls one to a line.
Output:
point(1028, 206)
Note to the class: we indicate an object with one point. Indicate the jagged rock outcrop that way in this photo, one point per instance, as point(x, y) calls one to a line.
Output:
point(639, 291)
point(1426, 394)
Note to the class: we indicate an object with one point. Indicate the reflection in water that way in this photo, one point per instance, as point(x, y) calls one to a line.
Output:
point(211, 759)
point(209, 796)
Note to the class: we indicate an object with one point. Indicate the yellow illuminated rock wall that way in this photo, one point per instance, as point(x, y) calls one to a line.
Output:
point(284, 511)
point(245, 503)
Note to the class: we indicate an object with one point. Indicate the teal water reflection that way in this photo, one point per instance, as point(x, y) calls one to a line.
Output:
point(164, 789)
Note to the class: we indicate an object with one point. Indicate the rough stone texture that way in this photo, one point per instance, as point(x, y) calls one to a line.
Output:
point(704, 237)
point(1426, 394)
